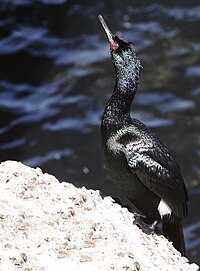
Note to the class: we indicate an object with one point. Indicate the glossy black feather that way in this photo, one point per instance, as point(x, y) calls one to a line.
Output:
point(159, 171)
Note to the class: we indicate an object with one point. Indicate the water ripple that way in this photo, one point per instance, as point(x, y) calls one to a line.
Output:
point(13, 144)
point(21, 38)
point(23, 98)
point(52, 155)
point(82, 125)
point(31, 2)
point(165, 102)
point(193, 71)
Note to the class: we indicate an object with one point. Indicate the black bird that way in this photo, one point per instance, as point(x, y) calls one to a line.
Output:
point(137, 161)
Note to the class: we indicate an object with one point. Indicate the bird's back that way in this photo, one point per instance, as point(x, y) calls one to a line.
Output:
point(142, 166)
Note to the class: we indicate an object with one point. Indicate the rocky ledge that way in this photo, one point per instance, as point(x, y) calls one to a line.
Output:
point(46, 225)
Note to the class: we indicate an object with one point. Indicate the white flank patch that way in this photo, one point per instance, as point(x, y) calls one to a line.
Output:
point(164, 209)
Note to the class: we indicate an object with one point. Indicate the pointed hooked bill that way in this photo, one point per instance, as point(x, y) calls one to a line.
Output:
point(113, 45)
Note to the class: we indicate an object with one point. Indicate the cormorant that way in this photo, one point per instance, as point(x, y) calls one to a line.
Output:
point(137, 161)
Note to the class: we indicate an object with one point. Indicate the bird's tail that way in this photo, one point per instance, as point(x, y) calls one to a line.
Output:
point(173, 231)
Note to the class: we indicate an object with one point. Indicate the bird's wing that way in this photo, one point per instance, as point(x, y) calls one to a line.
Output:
point(149, 159)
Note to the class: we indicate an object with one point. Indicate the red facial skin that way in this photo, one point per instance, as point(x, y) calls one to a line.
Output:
point(114, 45)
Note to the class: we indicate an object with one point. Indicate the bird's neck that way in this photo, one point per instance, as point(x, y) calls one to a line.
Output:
point(117, 110)
point(126, 80)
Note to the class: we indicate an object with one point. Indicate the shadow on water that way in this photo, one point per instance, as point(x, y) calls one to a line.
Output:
point(56, 76)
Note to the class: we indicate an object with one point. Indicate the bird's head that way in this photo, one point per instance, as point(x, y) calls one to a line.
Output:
point(126, 63)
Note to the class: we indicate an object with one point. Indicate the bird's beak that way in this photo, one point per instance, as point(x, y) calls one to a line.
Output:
point(113, 44)
point(107, 30)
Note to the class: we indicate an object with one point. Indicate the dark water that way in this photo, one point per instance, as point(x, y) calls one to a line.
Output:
point(56, 75)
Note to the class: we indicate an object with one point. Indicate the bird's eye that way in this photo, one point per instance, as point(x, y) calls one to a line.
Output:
point(114, 45)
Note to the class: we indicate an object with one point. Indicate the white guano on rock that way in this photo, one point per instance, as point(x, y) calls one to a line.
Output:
point(46, 225)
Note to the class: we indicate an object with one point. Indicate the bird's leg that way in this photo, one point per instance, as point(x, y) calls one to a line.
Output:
point(123, 204)
point(147, 228)
point(139, 220)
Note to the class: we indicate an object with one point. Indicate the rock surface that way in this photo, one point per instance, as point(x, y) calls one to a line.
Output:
point(46, 226)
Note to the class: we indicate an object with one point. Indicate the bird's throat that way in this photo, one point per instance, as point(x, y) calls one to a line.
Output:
point(127, 71)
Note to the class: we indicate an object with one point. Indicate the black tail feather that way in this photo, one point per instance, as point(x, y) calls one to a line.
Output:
point(173, 231)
